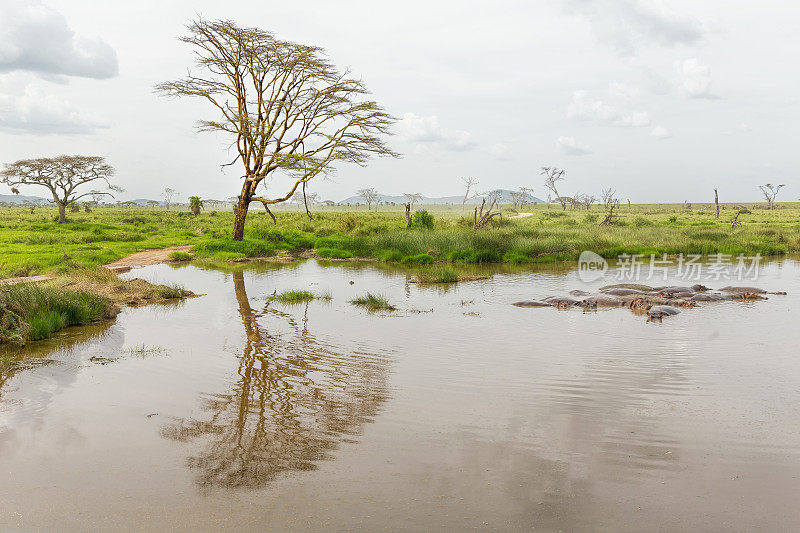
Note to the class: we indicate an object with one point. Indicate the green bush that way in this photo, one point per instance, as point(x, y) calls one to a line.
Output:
point(334, 253)
point(422, 220)
point(418, 259)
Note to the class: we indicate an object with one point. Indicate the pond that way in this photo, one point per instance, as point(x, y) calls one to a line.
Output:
point(456, 411)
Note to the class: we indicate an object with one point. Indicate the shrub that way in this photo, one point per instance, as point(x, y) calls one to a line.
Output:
point(349, 222)
point(422, 220)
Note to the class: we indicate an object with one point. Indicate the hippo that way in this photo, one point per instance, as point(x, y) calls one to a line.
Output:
point(623, 292)
point(532, 303)
point(635, 286)
point(560, 301)
point(578, 292)
point(675, 294)
point(681, 302)
point(751, 290)
point(605, 300)
point(709, 297)
point(657, 312)
point(747, 296)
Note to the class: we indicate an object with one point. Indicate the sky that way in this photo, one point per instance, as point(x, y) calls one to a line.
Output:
point(662, 100)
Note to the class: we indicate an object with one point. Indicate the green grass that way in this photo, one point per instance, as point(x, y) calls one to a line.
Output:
point(294, 296)
point(373, 302)
point(31, 312)
point(171, 291)
point(33, 243)
point(445, 274)
point(180, 256)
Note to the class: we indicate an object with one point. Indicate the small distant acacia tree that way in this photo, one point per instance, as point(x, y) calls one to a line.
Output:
point(469, 183)
point(552, 176)
point(413, 197)
point(525, 192)
point(168, 193)
point(770, 192)
point(370, 196)
point(288, 109)
point(63, 176)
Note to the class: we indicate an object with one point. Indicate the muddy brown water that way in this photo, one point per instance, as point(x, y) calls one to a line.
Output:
point(457, 411)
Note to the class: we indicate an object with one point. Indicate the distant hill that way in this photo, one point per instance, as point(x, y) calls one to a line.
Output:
point(20, 199)
point(504, 198)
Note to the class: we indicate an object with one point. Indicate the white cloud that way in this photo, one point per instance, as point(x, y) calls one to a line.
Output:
point(570, 146)
point(627, 25)
point(36, 38)
point(417, 129)
point(660, 132)
point(695, 79)
point(744, 127)
point(584, 107)
point(32, 110)
point(499, 151)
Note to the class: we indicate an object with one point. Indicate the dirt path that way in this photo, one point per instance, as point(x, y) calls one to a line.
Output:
point(522, 215)
point(146, 257)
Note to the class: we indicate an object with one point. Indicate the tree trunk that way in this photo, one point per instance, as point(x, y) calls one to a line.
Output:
point(239, 217)
point(408, 215)
point(716, 202)
point(62, 212)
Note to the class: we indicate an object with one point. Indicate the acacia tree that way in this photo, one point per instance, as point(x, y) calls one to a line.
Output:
point(413, 197)
point(370, 196)
point(552, 176)
point(288, 109)
point(62, 175)
point(168, 193)
point(770, 192)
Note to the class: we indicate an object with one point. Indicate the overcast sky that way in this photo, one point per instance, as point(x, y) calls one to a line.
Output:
point(662, 100)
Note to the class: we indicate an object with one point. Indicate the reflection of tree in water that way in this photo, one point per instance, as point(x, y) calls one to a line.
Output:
point(294, 401)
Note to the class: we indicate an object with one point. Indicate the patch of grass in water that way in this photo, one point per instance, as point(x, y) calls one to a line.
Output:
point(373, 302)
point(294, 296)
point(444, 274)
point(172, 291)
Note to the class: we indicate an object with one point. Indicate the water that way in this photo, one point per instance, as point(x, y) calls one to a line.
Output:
point(457, 411)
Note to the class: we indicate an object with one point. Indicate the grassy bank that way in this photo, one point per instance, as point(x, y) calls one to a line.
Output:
point(30, 312)
point(34, 243)
point(35, 311)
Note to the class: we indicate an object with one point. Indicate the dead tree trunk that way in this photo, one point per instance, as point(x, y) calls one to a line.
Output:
point(610, 216)
point(408, 215)
point(716, 203)
point(481, 218)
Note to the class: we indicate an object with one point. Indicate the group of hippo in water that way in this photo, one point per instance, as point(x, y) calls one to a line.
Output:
point(655, 302)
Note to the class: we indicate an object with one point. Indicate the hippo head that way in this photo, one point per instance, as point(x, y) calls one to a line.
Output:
point(588, 304)
point(700, 288)
point(636, 303)
point(654, 314)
